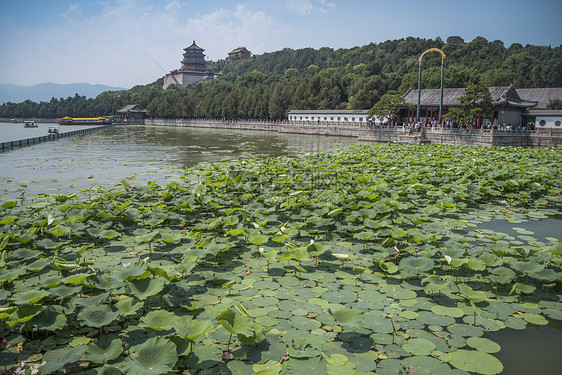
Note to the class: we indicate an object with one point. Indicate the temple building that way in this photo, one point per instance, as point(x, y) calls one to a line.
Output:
point(193, 68)
point(509, 106)
point(240, 53)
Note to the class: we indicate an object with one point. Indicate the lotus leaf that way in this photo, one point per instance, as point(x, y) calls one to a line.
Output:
point(29, 296)
point(98, 315)
point(483, 344)
point(106, 349)
point(472, 295)
point(267, 368)
point(475, 361)
point(235, 323)
point(144, 288)
point(156, 356)
point(190, 328)
point(158, 320)
point(534, 318)
point(419, 346)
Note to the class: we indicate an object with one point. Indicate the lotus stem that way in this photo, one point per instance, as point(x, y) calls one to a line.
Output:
point(229, 340)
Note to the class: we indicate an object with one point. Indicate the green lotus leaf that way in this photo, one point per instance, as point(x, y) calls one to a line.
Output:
point(472, 295)
point(267, 368)
point(556, 248)
point(476, 264)
point(534, 319)
point(190, 328)
point(424, 365)
point(419, 346)
point(257, 335)
point(64, 291)
point(417, 265)
point(235, 323)
point(455, 312)
point(8, 276)
point(235, 232)
point(377, 323)
point(298, 254)
point(148, 237)
point(98, 315)
point(257, 238)
point(49, 319)
point(59, 230)
point(106, 349)
point(483, 345)
point(144, 288)
point(131, 271)
point(388, 267)
point(29, 296)
point(128, 306)
point(158, 320)
point(171, 236)
point(48, 244)
point(347, 317)
point(155, 356)
point(76, 279)
point(475, 361)
point(25, 253)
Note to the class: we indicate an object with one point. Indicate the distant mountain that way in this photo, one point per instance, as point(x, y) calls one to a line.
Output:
point(45, 91)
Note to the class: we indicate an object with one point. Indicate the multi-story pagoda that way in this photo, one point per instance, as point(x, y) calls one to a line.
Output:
point(193, 68)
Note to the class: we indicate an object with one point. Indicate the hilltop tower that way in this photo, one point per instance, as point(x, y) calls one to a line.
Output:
point(193, 68)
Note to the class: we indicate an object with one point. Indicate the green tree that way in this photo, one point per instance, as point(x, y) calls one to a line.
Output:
point(554, 104)
point(476, 102)
point(388, 106)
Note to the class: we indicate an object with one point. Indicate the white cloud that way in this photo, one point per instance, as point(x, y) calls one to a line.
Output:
point(301, 7)
point(223, 30)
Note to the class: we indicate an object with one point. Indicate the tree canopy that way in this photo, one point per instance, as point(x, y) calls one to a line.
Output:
point(476, 102)
point(272, 84)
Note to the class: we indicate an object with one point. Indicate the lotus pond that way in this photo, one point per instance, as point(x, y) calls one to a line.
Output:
point(377, 258)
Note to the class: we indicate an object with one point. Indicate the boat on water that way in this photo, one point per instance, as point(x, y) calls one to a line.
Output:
point(84, 121)
point(29, 124)
point(53, 130)
point(13, 120)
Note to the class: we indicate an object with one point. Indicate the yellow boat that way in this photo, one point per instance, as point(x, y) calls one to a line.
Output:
point(29, 124)
point(84, 121)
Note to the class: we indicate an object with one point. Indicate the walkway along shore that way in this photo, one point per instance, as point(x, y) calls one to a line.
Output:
point(396, 134)
point(5, 146)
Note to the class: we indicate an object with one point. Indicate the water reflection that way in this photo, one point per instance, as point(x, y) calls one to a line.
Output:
point(147, 153)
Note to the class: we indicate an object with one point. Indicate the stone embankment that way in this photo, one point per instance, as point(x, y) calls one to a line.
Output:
point(397, 134)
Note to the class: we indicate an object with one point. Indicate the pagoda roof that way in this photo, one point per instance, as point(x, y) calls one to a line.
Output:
point(194, 46)
point(239, 49)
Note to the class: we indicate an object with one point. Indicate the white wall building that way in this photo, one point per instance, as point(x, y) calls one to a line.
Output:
point(312, 116)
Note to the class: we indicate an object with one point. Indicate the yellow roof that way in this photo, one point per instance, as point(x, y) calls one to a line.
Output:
point(29, 121)
point(83, 118)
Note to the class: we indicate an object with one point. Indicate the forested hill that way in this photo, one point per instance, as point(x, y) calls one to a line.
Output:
point(271, 84)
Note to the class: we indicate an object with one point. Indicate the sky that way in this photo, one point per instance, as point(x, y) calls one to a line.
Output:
point(124, 43)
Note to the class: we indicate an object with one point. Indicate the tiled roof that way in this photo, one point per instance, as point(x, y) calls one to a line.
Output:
point(131, 108)
point(541, 95)
point(507, 95)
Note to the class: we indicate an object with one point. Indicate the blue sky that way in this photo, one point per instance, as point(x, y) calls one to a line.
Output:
point(130, 42)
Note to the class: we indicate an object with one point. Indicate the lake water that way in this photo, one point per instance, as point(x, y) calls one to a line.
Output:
point(106, 156)
point(16, 131)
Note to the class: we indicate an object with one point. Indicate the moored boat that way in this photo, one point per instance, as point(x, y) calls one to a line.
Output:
point(29, 124)
point(53, 130)
point(84, 121)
